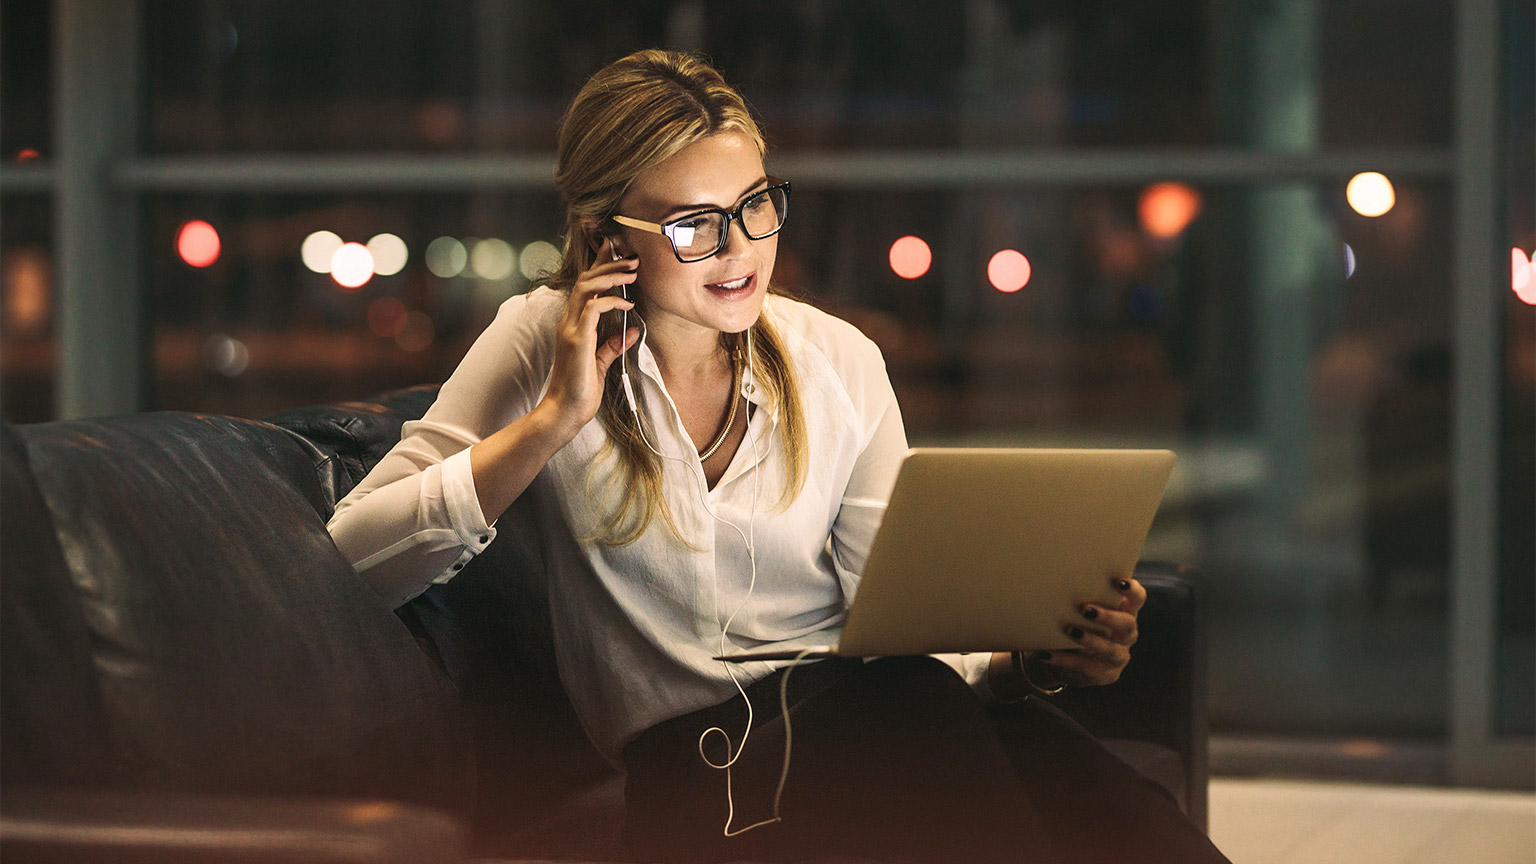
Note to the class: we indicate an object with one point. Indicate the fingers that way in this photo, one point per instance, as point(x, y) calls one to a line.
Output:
point(618, 344)
point(1097, 660)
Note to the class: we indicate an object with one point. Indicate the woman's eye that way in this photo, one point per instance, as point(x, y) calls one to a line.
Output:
point(755, 202)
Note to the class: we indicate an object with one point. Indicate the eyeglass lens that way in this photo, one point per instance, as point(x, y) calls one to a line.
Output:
point(703, 235)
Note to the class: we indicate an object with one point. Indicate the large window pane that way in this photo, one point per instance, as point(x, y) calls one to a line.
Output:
point(491, 75)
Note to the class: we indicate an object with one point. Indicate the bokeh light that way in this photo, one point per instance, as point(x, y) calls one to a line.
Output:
point(197, 243)
point(352, 265)
point(910, 257)
point(226, 355)
point(1008, 271)
point(446, 257)
point(416, 333)
point(1370, 194)
point(1523, 275)
point(27, 154)
point(318, 249)
point(389, 254)
point(386, 317)
point(492, 259)
point(1166, 209)
point(1349, 261)
point(27, 290)
point(538, 259)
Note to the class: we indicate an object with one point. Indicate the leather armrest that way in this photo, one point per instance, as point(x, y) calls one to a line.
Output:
point(1161, 696)
point(43, 826)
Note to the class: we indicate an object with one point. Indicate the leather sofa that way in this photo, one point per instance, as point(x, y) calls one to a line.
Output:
point(192, 672)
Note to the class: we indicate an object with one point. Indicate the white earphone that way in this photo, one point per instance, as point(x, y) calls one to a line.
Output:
point(748, 537)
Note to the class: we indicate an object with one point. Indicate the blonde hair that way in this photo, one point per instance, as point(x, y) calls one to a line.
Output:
point(630, 116)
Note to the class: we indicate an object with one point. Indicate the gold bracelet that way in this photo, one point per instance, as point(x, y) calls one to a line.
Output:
point(1018, 666)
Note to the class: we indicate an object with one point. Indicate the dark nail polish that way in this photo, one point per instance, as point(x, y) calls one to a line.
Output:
point(1075, 632)
point(1091, 613)
point(1123, 584)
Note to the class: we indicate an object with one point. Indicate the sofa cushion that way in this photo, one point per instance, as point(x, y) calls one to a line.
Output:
point(233, 648)
point(50, 704)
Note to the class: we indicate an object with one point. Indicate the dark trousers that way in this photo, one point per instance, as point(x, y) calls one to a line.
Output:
point(897, 760)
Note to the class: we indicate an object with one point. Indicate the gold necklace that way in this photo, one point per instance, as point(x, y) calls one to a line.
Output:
point(730, 418)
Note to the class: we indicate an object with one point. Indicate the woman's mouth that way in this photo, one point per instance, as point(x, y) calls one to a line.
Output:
point(735, 288)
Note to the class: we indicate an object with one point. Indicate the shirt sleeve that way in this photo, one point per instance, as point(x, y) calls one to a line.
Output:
point(416, 519)
point(864, 501)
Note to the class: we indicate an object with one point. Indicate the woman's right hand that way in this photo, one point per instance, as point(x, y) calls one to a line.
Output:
point(581, 365)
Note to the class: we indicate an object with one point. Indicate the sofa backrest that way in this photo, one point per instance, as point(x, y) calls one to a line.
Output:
point(204, 631)
point(489, 627)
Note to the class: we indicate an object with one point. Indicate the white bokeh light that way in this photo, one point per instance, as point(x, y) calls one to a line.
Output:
point(389, 254)
point(446, 257)
point(318, 249)
point(352, 265)
point(1370, 194)
point(538, 258)
point(492, 259)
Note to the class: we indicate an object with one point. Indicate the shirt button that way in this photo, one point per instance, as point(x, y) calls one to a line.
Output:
point(484, 538)
point(459, 566)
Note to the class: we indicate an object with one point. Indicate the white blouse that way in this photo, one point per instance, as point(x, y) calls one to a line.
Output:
point(636, 626)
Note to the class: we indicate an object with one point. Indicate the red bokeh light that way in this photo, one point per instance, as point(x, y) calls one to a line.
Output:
point(1166, 209)
point(911, 257)
point(1523, 275)
point(1008, 271)
point(197, 243)
point(27, 155)
point(387, 317)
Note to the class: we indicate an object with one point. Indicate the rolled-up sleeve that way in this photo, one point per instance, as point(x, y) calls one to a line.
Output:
point(415, 519)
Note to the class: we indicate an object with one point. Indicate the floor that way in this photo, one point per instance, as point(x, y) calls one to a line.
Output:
point(1308, 822)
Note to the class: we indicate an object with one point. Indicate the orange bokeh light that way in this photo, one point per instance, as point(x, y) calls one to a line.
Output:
point(911, 257)
point(198, 243)
point(1008, 271)
point(1166, 209)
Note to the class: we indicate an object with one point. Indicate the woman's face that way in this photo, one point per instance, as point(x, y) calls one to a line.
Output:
point(723, 293)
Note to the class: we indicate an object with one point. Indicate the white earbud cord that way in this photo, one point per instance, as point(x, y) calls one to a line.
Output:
point(749, 538)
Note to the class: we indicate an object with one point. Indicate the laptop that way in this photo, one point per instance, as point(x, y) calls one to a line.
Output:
point(993, 550)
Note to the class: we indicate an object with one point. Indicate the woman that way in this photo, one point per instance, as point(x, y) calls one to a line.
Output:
point(711, 461)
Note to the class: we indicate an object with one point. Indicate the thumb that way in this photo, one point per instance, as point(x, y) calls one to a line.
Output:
point(616, 345)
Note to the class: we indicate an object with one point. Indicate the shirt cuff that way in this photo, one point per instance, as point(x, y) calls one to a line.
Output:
point(463, 503)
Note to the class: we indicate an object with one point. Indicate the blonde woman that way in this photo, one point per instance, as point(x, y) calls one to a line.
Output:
point(711, 461)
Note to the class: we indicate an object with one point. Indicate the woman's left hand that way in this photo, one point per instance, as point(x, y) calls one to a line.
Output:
point(1106, 636)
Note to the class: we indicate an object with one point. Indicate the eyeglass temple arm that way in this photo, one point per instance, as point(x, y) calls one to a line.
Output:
point(652, 227)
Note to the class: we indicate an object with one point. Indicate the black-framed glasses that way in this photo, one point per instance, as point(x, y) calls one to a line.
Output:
point(699, 235)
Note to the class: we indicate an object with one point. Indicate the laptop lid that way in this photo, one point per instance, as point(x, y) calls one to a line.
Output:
point(993, 549)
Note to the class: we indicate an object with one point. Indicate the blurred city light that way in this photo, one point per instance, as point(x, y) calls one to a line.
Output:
point(352, 265)
point(197, 243)
point(538, 259)
point(416, 333)
point(1166, 209)
point(1349, 261)
point(446, 257)
point(492, 259)
point(226, 355)
point(1523, 275)
point(27, 154)
point(318, 249)
point(910, 257)
point(389, 254)
point(386, 317)
point(28, 291)
point(1008, 271)
point(1370, 194)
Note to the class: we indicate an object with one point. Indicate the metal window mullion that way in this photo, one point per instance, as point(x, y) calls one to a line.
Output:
point(855, 170)
point(102, 346)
